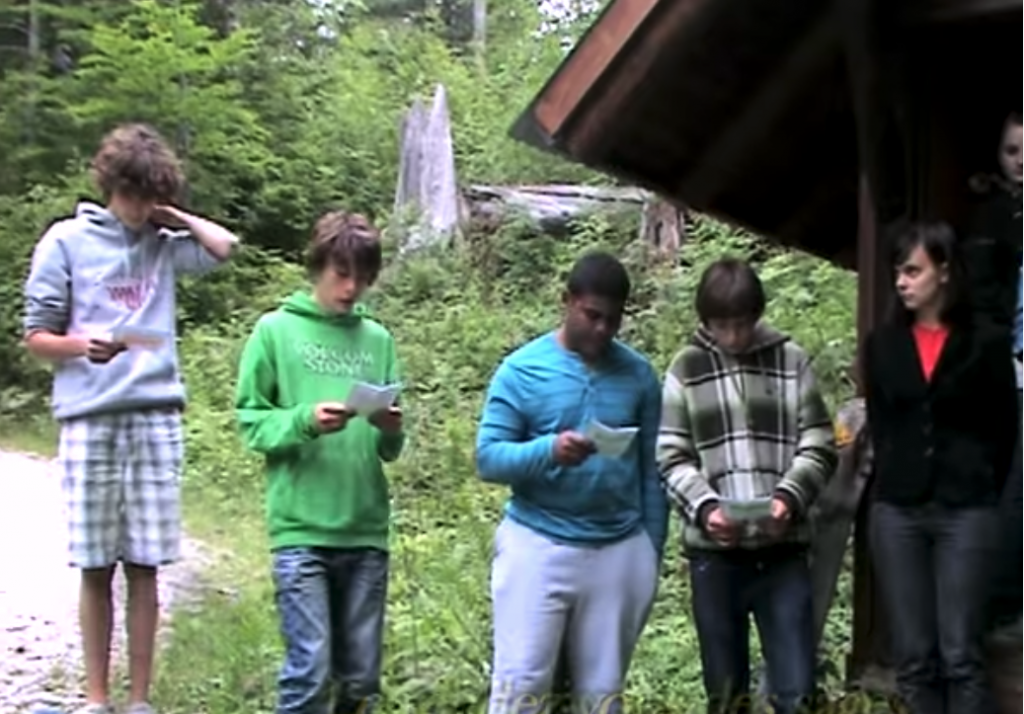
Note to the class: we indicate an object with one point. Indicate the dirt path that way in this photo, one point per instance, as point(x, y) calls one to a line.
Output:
point(39, 642)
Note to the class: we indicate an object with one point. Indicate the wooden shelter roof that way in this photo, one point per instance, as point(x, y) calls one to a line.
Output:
point(741, 109)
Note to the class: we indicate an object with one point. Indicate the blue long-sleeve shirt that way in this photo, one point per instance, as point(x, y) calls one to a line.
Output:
point(1018, 328)
point(541, 390)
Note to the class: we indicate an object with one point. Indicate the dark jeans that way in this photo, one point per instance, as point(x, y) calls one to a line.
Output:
point(1008, 596)
point(774, 585)
point(331, 606)
point(933, 565)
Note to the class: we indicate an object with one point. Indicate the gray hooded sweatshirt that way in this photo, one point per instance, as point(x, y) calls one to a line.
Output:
point(93, 275)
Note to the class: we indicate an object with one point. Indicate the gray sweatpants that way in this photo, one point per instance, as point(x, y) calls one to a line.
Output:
point(594, 601)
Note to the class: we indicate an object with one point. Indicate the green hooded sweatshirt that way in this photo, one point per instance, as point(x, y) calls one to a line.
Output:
point(323, 490)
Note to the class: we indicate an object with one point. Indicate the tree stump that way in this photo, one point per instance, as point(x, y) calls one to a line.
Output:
point(663, 227)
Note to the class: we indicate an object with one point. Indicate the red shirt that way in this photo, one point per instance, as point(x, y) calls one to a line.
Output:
point(929, 341)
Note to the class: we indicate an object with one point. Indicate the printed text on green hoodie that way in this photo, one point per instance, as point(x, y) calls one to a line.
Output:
point(327, 490)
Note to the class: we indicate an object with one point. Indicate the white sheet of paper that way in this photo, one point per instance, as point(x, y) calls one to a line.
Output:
point(610, 441)
point(143, 337)
point(756, 509)
point(365, 399)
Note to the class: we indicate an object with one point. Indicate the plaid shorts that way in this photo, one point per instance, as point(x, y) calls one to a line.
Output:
point(122, 487)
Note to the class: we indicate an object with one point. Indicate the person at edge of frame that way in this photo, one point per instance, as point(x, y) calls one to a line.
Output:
point(328, 507)
point(100, 305)
point(1008, 596)
point(942, 409)
point(743, 420)
point(991, 243)
point(577, 554)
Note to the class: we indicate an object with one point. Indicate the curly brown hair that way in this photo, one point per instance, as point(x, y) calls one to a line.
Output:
point(347, 241)
point(135, 160)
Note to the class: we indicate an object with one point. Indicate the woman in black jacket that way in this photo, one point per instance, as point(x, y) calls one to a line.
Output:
point(942, 411)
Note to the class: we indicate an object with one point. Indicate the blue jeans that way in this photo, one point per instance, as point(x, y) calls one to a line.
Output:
point(331, 606)
point(933, 566)
point(775, 586)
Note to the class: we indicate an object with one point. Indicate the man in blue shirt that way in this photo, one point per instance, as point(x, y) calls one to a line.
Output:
point(577, 555)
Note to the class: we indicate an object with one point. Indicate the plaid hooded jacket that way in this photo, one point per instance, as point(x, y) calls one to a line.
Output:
point(741, 427)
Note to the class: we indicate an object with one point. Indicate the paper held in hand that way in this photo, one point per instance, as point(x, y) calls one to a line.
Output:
point(610, 441)
point(757, 509)
point(365, 399)
point(143, 337)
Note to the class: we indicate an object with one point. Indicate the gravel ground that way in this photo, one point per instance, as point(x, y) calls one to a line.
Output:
point(39, 640)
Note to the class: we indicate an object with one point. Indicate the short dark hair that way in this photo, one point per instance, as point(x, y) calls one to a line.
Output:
point(599, 274)
point(345, 240)
point(135, 160)
point(730, 289)
point(938, 240)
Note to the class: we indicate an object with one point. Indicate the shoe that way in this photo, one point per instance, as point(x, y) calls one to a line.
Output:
point(95, 709)
point(140, 708)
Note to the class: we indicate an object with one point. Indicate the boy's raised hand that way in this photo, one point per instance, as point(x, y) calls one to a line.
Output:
point(169, 217)
point(331, 417)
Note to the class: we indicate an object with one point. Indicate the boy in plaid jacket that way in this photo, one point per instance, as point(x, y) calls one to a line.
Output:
point(743, 421)
point(100, 305)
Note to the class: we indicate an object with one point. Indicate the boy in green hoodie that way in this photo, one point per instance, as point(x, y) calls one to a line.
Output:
point(327, 500)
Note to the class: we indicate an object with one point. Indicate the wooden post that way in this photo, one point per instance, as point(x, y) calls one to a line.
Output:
point(868, 657)
point(860, 19)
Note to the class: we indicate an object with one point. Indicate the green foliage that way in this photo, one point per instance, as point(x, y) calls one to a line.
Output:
point(294, 111)
point(179, 76)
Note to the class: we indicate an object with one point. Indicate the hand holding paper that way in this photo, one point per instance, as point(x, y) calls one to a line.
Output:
point(610, 442)
point(387, 420)
point(100, 351)
point(143, 337)
point(748, 511)
point(367, 399)
point(572, 449)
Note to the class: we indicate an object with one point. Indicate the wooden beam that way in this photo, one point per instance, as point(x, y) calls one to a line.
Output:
point(758, 117)
point(594, 128)
point(926, 11)
point(589, 61)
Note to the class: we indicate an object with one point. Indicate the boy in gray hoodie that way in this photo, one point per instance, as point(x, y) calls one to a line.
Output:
point(100, 305)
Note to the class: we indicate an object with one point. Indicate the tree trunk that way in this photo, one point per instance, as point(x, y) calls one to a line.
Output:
point(480, 29)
